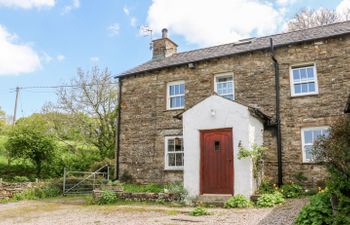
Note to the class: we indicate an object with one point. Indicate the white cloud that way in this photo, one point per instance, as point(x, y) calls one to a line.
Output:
point(133, 21)
point(16, 58)
point(113, 29)
point(285, 2)
point(45, 57)
point(27, 4)
point(126, 10)
point(75, 4)
point(60, 57)
point(94, 59)
point(214, 22)
point(343, 9)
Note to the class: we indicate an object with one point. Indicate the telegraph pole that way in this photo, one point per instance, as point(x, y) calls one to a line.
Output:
point(15, 110)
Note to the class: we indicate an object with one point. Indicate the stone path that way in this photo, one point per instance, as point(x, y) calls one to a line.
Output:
point(285, 214)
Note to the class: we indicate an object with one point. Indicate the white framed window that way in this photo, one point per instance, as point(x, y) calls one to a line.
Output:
point(176, 95)
point(174, 153)
point(303, 79)
point(309, 136)
point(224, 85)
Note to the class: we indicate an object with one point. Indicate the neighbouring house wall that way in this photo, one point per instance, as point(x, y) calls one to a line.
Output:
point(145, 120)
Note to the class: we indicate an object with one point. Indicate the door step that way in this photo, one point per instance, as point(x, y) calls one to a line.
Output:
point(212, 199)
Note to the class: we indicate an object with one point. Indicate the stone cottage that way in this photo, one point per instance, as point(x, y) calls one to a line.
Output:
point(183, 116)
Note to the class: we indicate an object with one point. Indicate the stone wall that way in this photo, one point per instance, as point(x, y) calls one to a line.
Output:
point(145, 120)
point(142, 196)
point(7, 190)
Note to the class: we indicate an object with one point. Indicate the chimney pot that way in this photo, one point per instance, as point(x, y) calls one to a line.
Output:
point(164, 33)
point(163, 47)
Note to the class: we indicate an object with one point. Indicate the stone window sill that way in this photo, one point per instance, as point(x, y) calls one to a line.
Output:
point(174, 170)
point(313, 163)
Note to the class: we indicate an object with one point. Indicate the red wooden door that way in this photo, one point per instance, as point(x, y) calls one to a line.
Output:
point(217, 161)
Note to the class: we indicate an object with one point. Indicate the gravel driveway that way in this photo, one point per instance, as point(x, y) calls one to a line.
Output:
point(72, 212)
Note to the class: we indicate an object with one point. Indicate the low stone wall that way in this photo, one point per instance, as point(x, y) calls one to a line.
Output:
point(7, 190)
point(143, 196)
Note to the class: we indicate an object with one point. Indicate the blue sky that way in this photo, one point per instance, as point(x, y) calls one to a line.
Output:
point(43, 42)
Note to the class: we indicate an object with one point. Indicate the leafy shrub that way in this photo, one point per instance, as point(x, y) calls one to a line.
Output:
point(107, 197)
point(335, 150)
point(256, 154)
point(177, 189)
point(199, 211)
point(75, 157)
point(30, 143)
point(17, 168)
point(266, 188)
point(318, 211)
point(38, 193)
point(270, 200)
point(238, 201)
point(21, 179)
point(291, 190)
point(154, 188)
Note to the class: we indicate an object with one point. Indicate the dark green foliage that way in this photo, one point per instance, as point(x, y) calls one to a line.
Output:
point(199, 211)
point(270, 200)
point(335, 150)
point(291, 190)
point(177, 189)
point(238, 201)
point(266, 188)
point(21, 179)
point(318, 211)
point(30, 143)
point(256, 154)
point(18, 168)
point(107, 197)
point(79, 159)
point(38, 193)
point(154, 188)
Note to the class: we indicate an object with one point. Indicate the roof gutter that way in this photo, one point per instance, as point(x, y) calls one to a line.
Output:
point(278, 115)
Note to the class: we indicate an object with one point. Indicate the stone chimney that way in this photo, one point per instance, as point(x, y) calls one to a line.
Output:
point(163, 47)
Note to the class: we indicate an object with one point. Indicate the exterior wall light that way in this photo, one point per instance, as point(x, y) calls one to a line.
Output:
point(212, 112)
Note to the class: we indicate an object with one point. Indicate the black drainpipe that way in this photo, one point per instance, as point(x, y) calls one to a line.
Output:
point(278, 116)
point(117, 151)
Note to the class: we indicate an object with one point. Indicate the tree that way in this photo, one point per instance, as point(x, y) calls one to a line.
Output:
point(3, 119)
point(307, 18)
point(91, 102)
point(29, 140)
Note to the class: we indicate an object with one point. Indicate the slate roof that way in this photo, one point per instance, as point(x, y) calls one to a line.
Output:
point(254, 44)
point(255, 111)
